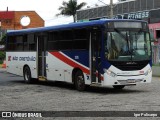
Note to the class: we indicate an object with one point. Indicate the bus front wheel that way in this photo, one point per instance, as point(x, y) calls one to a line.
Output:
point(79, 81)
point(118, 87)
point(27, 75)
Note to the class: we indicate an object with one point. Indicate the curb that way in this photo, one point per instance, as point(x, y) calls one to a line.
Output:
point(2, 69)
point(156, 71)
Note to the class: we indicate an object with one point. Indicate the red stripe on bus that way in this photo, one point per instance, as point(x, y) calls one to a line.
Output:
point(102, 78)
point(69, 62)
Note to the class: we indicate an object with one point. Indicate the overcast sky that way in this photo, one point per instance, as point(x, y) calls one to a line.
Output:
point(47, 9)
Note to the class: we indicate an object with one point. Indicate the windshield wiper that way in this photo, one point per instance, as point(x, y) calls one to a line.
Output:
point(124, 37)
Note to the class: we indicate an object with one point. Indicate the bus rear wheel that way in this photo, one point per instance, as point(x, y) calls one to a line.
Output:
point(27, 75)
point(118, 87)
point(79, 81)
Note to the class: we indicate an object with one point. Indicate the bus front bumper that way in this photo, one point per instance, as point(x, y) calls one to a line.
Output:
point(126, 80)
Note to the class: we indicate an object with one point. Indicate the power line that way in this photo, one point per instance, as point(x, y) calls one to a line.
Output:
point(102, 2)
point(55, 18)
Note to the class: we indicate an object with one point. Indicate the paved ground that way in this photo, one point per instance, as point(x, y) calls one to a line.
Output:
point(15, 95)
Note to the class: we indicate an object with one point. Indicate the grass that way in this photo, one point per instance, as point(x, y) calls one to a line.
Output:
point(156, 65)
point(1, 62)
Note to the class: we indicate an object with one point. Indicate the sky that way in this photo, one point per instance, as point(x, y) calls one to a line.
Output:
point(47, 9)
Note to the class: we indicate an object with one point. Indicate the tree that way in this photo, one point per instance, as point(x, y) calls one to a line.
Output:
point(69, 8)
point(3, 39)
point(2, 56)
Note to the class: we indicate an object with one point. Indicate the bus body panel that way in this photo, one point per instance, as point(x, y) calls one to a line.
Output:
point(128, 77)
point(16, 60)
point(56, 69)
point(60, 67)
point(59, 64)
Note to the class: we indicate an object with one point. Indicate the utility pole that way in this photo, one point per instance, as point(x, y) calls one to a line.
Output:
point(111, 8)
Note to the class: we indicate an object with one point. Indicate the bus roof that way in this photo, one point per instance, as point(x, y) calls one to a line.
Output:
point(64, 26)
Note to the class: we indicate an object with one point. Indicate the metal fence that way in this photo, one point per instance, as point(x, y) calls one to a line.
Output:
point(156, 55)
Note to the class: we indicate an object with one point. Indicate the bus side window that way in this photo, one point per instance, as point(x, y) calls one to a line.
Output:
point(25, 43)
point(53, 43)
point(66, 40)
point(19, 41)
point(11, 43)
point(31, 42)
point(80, 39)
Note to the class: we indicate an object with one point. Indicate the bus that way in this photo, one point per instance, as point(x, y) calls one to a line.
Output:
point(96, 53)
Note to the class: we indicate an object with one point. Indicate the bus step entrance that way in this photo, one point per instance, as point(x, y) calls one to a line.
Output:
point(42, 78)
point(95, 84)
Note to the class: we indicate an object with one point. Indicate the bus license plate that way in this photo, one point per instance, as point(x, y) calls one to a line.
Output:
point(131, 80)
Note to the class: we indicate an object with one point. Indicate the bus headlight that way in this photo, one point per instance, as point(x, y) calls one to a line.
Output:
point(110, 73)
point(147, 72)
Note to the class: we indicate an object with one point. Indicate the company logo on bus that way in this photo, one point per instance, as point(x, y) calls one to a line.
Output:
point(131, 63)
point(15, 58)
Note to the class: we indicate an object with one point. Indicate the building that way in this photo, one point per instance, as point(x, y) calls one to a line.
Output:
point(15, 20)
point(130, 9)
point(148, 10)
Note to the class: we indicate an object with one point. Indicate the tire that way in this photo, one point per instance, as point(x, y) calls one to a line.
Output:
point(118, 87)
point(79, 81)
point(27, 75)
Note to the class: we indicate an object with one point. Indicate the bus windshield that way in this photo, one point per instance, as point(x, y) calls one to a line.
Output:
point(127, 45)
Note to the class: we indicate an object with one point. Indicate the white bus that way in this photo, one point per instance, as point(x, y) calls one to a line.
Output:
point(102, 52)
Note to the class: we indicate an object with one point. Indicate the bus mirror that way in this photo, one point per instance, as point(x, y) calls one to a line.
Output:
point(152, 37)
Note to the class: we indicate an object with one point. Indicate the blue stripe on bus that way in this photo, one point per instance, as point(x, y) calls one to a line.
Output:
point(80, 56)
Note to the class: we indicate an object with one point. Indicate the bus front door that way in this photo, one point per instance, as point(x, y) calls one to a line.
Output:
point(41, 52)
point(95, 59)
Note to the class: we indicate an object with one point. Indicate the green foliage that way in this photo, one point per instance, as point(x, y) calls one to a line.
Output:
point(1, 61)
point(156, 64)
point(3, 40)
point(2, 55)
point(69, 8)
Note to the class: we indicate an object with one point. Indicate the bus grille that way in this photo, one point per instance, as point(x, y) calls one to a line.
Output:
point(129, 65)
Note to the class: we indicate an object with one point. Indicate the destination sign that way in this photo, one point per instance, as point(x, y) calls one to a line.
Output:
point(134, 15)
